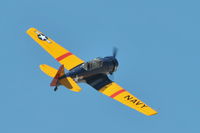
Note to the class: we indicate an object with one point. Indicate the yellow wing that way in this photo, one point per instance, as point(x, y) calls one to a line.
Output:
point(62, 55)
point(116, 92)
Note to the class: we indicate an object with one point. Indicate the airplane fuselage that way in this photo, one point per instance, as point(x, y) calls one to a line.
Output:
point(106, 65)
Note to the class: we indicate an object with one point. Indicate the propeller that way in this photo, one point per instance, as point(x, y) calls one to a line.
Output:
point(115, 50)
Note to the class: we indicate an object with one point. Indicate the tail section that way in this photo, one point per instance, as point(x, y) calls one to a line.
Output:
point(55, 82)
point(68, 82)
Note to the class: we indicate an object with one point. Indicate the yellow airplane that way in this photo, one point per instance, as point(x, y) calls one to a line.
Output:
point(93, 73)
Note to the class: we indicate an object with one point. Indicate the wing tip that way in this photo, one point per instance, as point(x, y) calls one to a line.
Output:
point(153, 113)
point(30, 30)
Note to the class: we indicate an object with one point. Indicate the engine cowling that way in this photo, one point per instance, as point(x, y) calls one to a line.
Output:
point(110, 64)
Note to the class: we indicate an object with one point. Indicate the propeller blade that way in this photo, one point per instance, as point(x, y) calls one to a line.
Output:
point(115, 50)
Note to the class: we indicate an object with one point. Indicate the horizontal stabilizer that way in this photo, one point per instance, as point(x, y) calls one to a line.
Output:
point(50, 71)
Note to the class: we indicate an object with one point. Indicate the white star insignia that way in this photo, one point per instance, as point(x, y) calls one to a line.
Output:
point(42, 37)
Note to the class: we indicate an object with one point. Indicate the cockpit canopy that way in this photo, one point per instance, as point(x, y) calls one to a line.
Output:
point(94, 64)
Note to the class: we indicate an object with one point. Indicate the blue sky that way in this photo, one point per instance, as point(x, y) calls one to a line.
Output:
point(158, 44)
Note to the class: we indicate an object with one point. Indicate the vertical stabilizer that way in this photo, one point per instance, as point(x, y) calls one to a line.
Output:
point(68, 82)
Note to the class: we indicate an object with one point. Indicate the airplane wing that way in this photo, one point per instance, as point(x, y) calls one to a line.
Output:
point(62, 55)
point(104, 85)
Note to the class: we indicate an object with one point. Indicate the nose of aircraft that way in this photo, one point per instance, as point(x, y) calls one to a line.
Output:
point(113, 62)
point(116, 64)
